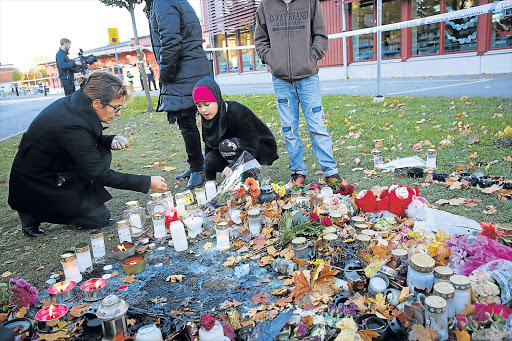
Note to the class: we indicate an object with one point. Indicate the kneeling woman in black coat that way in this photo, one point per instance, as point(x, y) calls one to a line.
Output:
point(63, 161)
point(229, 128)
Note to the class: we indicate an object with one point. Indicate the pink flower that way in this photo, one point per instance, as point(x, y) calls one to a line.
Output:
point(326, 221)
point(207, 322)
point(316, 185)
point(462, 321)
point(483, 312)
point(314, 217)
point(501, 311)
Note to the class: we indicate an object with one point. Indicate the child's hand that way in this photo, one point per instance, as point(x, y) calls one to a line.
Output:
point(227, 172)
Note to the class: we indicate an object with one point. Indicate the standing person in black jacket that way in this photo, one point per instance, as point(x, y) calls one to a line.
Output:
point(177, 42)
point(66, 67)
point(228, 129)
point(63, 160)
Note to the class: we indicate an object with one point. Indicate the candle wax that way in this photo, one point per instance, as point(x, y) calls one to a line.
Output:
point(378, 284)
point(52, 312)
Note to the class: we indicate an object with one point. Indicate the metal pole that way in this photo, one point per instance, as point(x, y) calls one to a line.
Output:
point(117, 62)
point(344, 29)
point(379, 45)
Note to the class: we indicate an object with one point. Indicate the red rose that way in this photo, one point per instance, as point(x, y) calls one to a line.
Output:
point(207, 322)
point(326, 221)
point(314, 217)
point(345, 190)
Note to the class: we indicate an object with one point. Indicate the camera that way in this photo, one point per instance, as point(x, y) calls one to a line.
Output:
point(86, 60)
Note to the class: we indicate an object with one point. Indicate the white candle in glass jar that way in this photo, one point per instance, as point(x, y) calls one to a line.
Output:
point(123, 231)
point(462, 292)
point(254, 220)
point(83, 256)
point(222, 232)
point(98, 244)
point(211, 190)
point(70, 265)
point(201, 196)
point(159, 231)
point(179, 237)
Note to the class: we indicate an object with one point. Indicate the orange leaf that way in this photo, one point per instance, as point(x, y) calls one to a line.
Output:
point(120, 337)
point(420, 333)
point(462, 335)
point(259, 298)
point(368, 335)
point(283, 301)
point(301, 280)
point(360, 301)
point(60, 335)
point(129, 279)
point(78, 310)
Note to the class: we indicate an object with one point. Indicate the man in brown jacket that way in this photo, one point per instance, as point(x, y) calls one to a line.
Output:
point(291, 38)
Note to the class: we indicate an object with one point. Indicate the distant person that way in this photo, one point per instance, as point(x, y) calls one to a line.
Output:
point(230, 128)
point(63, 160)
point(66, 67)
point(178, 45)
point(151, 76)
point(292, 49)
point(130, 77)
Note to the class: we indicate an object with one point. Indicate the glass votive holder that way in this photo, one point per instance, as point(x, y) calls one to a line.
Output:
point(168, 197)
point(159, 231)
point(83, 256)
point(327, 192)
point(123, 231)
point(377, 158)
point(222, 231)
point(431, 158)
point(254, 221)
point(201, 195)
point(70, 265)
point(98, 244)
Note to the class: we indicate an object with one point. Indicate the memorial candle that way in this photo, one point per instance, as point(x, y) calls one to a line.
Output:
point(70, 266)
point(179, 237)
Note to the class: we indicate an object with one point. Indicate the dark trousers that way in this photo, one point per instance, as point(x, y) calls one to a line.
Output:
point(97, 217)
point(69, 87)
point(151, 79)
point(187, 123)
point(218, 159)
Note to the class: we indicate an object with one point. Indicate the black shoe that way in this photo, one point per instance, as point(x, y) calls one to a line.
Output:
point(196, 179)
point(32, 231)
point(296, 179)
point(30, 225)
point(185, 175)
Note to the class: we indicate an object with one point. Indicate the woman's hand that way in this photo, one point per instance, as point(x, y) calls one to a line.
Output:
point(227, 172)
point(158, 183)
point(119, 142)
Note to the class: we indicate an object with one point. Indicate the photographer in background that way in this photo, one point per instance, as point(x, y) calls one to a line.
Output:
point(66, 67)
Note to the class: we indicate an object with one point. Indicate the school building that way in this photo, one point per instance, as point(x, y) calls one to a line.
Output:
point(473, 45)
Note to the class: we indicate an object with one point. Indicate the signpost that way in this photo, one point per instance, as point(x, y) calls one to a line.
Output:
point(113, 39)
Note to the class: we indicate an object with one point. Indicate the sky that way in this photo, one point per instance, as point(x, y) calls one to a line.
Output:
point(33, 28)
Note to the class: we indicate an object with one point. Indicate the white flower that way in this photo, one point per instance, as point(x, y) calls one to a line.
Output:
point(487, 289)
point(479, 277)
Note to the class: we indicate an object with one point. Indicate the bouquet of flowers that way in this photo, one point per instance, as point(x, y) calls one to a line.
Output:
point(23, 294)
point(484, 287)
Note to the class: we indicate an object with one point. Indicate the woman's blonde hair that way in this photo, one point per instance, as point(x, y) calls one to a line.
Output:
point(104, 86)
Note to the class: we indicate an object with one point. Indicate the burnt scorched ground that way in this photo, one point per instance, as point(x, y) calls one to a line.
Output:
point(206, 284)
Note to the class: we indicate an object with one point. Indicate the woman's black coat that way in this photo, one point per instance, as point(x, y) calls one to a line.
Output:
point(63, 162)
point(178, 46)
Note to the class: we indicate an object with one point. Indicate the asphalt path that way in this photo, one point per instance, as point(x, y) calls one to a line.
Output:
point(16, 113)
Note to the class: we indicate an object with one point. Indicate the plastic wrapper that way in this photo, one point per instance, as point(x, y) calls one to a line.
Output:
point(406, 162)
point(471, 252)
point(429, 220)
point(501, 271)
point(246, 166)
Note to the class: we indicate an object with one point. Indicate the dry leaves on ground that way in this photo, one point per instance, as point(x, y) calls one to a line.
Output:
point(78, 310)
point(459, 202)
point(58, 336)
point(420, 333)
point(259, 298)
point(227, 304)
point(174, 278)
point(159, 300)
point(129, 279)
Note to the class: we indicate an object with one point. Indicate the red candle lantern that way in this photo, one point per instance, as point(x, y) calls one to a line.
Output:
point(170, 216)
point(62, 291)
point(49, 317)
point(94, 289)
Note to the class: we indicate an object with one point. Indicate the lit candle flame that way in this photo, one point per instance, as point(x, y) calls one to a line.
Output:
point(121, 247)
point(50, 311)
point(61, 287)
point(97, 284)
point(133, 263)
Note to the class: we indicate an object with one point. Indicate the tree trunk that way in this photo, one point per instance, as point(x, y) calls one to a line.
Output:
point(149, 105)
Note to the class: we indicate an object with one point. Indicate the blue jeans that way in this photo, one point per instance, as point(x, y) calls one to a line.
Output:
point(307, 93)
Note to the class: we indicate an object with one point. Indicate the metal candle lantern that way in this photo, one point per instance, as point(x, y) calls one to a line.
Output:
point(112, 314)
point(70, 265)
point(98, 244)
point(134, 265)
point(83, 255)
point(62, 292)
point(136, 216)
point(51, 316)
point(123, 250)
point(123, 231)
point(94, 289)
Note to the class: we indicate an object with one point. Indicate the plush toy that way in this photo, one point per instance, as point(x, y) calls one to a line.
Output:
point(400, 197)
point(395, 199)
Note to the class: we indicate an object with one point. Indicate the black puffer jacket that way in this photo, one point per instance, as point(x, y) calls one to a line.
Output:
point(236, 120)
point(177, 43)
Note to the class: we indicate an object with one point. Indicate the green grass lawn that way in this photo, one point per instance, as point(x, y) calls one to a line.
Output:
point(398, 126)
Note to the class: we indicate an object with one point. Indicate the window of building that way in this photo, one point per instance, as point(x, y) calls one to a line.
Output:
point(425, 38)
point(501, 30)
point(222, 59)
point(391, 11)
point(460, 34)
point(232, 54)
point(362, 46)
